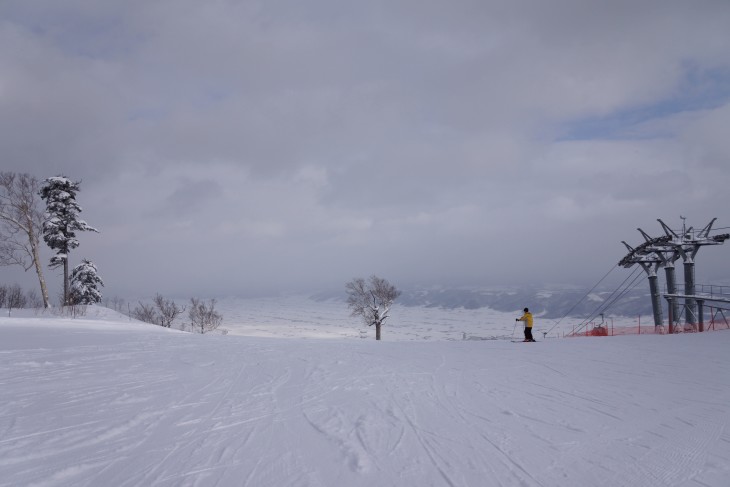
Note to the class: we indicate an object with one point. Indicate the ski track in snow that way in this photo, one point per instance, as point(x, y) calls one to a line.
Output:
point(90, 405)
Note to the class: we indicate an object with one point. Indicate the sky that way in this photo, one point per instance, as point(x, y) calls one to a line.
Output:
point(245, 148)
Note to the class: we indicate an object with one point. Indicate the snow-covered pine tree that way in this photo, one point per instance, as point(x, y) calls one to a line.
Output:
point(62, 222)
point(85, 284)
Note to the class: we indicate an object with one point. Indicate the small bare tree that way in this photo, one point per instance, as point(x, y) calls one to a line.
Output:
point(167, 310)
point(33, 300)
point(371, 300)
point(15, 297)
point(203, 316)
point(162, 312)
point(21, 225)
point(117, 304)
point(146, 313)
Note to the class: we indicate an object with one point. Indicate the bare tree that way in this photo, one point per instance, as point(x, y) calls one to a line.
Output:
point(371, 300)
point(117, 304)
point(3, 295)
point(162, 312)
point(21, 225)
point(146, 313)
point(203, 316)
point(167, 310)
point(33, 300)
point(15, 297)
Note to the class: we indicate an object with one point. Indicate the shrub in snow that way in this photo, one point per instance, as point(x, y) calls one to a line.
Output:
point(163, 312)
point(12, 297)
point(167, 310)
point(145, 312)
point(203, 316)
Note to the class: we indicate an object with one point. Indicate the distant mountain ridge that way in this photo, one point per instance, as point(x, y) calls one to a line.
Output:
point(545, 302)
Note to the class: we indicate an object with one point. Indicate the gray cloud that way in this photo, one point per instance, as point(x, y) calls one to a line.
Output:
point(230, 147)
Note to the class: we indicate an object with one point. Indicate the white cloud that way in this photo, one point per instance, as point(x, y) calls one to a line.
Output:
point(284, 145)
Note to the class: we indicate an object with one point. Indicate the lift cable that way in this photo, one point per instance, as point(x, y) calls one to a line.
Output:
point(637, 280)
point(581, 299)
point(622, 290)
point(606, 305)
point(614, 297)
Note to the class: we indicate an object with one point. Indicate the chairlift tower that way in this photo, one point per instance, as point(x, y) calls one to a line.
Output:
point(663, 252)
point(650, 260)
point(668, 255)
point(687, 245)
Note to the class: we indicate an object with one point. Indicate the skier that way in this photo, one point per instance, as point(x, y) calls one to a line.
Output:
point(527, 318)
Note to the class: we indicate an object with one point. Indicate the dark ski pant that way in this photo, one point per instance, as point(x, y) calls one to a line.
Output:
point(528, 333)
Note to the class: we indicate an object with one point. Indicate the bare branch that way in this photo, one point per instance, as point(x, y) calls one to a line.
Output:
point(203, 316)
point(168, 310)
point(371, 300)
point(21, 223)
point(146, 313)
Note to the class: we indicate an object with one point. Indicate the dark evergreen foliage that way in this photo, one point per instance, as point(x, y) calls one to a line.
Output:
point(85, 283)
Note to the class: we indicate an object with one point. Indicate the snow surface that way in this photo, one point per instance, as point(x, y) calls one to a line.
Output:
point(595, 297)
point(297, 316)
point(102, 401)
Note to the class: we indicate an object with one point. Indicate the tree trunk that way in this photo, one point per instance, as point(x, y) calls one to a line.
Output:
point(377, 331)
point(38, 267)
point(41, 279)
point(65, 281)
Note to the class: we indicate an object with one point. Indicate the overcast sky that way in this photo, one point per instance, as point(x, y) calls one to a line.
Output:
point(241, 147)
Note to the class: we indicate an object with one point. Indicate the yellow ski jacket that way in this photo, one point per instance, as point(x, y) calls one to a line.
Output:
point(527, 318)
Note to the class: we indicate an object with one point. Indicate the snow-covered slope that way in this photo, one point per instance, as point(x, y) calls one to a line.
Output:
point(103, 401)
point(297, 316)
